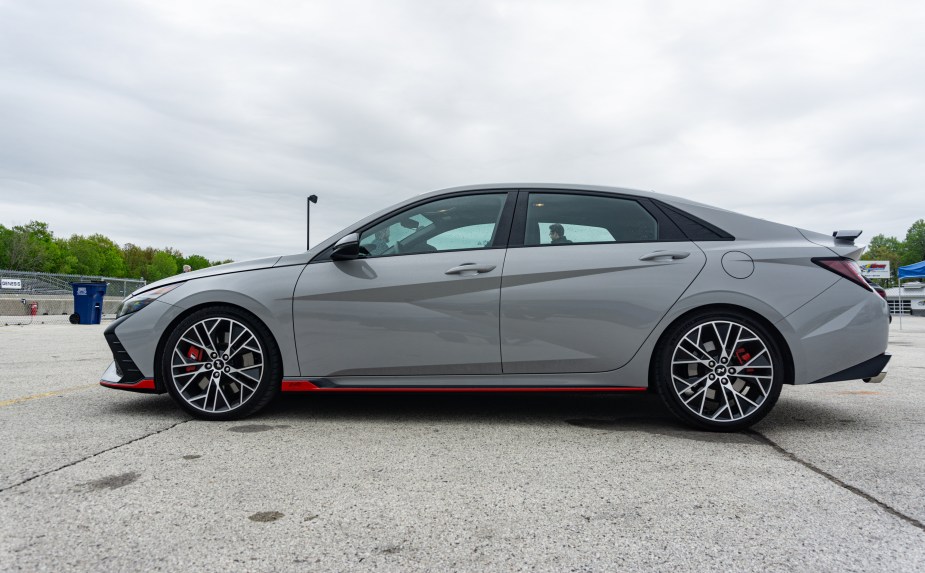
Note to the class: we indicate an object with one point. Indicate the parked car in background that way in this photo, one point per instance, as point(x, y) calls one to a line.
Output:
point(517, 288)
point(876, 288)
point(882, 293)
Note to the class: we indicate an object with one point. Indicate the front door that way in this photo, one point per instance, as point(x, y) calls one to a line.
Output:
point(422, 300)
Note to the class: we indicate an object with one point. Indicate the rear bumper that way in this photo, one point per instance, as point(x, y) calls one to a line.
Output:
point(873, 370)
point(842, 325)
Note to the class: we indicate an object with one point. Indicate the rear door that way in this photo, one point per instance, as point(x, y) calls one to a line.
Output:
point(586, 279)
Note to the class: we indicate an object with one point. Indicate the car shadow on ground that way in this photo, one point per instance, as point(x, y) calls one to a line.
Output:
point(464, 407)
point(590, 412)
point(594, 412)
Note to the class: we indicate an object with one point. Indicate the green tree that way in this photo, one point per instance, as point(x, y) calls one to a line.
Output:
point(113, 261)
point(177, 256)
point(137, 260)
point(67, 263)
point(32, 247)
point(163, 265)
point(95, 255)
point(914, 245)
point(196, 262)
point(883, 248)
point(6, 236)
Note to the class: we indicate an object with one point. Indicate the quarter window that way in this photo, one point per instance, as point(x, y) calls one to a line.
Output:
point(554, 219)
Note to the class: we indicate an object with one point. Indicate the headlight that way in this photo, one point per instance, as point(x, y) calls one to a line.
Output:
point(136, 303)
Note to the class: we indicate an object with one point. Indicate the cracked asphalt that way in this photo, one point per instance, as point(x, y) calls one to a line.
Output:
point(93, 479)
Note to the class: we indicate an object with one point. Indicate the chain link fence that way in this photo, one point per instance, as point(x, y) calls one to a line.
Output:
point(46, 298)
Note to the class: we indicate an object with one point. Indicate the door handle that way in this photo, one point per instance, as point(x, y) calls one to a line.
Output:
point(665, 256)
point(468, 269)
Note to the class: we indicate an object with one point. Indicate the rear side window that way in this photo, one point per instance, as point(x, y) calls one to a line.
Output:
point(554, 219)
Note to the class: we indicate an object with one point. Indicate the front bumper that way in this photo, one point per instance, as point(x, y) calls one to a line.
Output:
point(113, 378)
point(123, 373)
point(873, 370)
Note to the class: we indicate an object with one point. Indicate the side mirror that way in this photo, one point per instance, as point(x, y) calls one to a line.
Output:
point(347, 248)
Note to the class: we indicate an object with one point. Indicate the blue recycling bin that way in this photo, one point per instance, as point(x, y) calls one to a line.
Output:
point(88, 302)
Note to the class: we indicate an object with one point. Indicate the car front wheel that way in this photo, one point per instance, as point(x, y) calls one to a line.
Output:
point(719, 371)
point(220, 363)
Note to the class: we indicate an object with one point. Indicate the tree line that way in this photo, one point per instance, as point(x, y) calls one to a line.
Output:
point(899, 253)
point(34, 247)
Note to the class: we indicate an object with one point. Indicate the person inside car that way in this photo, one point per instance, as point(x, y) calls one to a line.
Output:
point(557, 235)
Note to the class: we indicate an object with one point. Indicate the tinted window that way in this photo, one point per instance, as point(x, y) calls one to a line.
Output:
point(565, 219)
point(469, 237)
point(464, 222)
point(694, 228)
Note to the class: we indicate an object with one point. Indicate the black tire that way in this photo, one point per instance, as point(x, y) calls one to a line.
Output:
point(254, 359)
point(725, 390)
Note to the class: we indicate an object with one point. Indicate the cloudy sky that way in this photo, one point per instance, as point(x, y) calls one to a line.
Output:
point(202, 125)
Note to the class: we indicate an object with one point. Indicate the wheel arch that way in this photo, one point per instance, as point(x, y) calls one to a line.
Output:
point(789, 371)
point(165, 334)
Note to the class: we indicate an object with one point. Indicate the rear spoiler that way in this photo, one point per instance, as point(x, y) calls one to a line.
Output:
point(847, 236)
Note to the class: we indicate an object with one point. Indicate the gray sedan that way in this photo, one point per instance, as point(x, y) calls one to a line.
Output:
point(517, 288)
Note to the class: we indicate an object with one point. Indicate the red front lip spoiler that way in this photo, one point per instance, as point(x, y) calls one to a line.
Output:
point(143, 385)
point(308, 386)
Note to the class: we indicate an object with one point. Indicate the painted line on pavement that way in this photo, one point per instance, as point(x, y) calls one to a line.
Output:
point(47, 394)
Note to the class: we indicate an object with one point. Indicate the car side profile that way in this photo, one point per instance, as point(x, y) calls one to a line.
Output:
point(523, 287)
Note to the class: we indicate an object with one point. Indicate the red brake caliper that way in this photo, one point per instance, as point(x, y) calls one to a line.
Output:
point(742, 356)
point(195, 354)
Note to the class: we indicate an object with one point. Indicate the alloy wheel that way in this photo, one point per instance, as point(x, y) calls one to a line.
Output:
point(722, 371)
point(217, 365)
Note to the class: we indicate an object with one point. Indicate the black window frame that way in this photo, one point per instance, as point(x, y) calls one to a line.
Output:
point(678, 215)
point(668, 231)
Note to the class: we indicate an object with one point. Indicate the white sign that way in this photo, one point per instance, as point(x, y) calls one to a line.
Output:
point(875, 269)
point(10, 283)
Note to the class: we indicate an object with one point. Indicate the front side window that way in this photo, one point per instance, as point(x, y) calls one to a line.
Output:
point(455, 223)
point(562, 219)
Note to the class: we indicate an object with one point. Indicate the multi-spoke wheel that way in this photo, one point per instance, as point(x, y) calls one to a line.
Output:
point(221, 363)
point(719, 371)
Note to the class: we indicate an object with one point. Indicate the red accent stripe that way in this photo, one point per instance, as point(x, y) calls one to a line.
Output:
point(144, 384)
point(307, 386)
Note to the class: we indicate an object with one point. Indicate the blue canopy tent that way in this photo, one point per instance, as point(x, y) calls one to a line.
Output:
point(913, 271)
point(916, 270)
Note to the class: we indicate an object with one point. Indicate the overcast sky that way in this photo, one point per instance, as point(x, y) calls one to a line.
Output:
point(202, 125)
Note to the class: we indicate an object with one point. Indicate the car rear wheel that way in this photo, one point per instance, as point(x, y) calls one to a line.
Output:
point(221, 364)
point(719, 371)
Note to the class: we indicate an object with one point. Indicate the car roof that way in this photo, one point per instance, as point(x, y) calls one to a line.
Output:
point(553, 186)
point(672, 199)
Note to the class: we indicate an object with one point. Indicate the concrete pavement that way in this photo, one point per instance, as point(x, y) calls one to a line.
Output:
point(100, 480)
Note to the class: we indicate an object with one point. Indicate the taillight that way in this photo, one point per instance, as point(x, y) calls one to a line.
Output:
point(846, 268)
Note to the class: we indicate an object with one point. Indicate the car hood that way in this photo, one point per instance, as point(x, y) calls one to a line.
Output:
point(251, 265)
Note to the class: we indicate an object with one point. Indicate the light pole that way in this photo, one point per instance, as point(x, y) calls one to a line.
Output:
point(308, 212)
